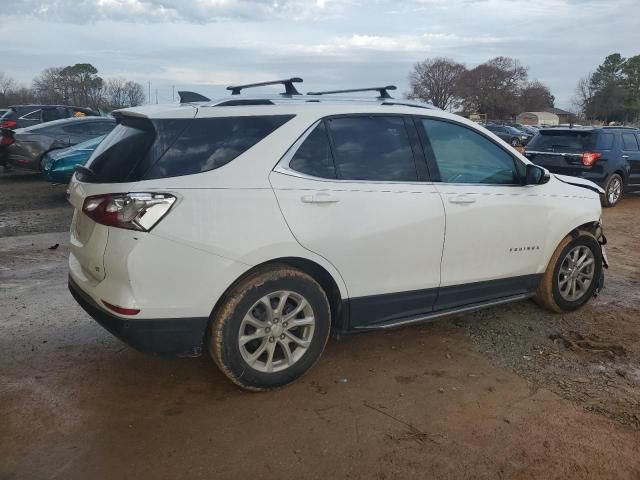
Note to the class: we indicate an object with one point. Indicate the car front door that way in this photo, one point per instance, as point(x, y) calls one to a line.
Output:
point(631, 154)
point(495, 226)
point(354, 190)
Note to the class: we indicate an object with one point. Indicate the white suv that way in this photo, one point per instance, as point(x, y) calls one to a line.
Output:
point(253, 227)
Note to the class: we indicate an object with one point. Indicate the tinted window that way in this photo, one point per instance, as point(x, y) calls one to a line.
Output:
point(78, 128)
point(32, 115)
point(314, 155)
point(562, 141)
point(372, 148)
point(99, 128)
point(629, 141)
point(464, 156)
point(121, 151)
point(605, 141)
point(49, 114)
point(139, 148)
point(210, 143)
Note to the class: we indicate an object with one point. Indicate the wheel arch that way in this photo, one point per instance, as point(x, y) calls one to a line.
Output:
point(338, 302)
point(591, 227)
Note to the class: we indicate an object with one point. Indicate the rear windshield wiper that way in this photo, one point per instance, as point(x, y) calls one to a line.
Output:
point(86, 171)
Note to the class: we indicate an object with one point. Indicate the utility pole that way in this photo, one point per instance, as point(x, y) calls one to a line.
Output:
point(156, 96)
point(149, 91)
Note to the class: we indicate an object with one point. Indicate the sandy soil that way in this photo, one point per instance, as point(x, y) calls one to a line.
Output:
point(512, 392)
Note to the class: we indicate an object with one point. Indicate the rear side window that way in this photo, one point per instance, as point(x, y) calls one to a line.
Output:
point(605, 141)
point(49, 114)
point(562, 141)
point(140, 149)
point(629, 142)
point(372, 148)
point(314, 155)
point(210, 143)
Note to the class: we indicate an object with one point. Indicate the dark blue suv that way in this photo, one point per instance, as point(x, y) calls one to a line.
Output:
point(608, 156)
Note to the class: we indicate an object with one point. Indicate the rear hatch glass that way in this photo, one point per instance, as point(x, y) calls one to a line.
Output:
point(142, 149)
point(562, 141)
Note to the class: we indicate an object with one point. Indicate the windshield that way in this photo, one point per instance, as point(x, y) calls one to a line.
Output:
point(561, 141)
point(89, 144)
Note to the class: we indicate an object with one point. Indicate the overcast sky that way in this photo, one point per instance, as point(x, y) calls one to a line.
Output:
point(205, 45)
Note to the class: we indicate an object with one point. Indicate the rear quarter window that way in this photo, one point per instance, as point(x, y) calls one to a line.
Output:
point(210, 143)
point(142, 149)
point(605, 141)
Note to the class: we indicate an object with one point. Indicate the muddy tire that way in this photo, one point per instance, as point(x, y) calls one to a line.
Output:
point(572, 275)
point(612, 191)
point(270, 329)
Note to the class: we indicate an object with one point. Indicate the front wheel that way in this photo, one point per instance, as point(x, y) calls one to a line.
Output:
point(270, 329)
point(612, 191)
point(573, 274)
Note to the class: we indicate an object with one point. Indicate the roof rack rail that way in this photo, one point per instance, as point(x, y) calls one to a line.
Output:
point(620, 127)
point(428, 106)
point(289, 89)
point(381, 90)
point(188, 97)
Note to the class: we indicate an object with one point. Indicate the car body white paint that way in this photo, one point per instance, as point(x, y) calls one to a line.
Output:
point(380, 237)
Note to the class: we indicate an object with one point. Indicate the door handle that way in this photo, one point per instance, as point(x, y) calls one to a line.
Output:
point(320, 198)
point(462, 199)
point(625, 156)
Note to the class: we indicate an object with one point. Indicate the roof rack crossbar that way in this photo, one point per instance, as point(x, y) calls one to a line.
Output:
point(289, 89)
point(188, 97)
point(381, 90)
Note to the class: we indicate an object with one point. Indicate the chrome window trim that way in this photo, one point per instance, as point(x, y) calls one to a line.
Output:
point(23, 117)
point(559, 154)
point(283, 167)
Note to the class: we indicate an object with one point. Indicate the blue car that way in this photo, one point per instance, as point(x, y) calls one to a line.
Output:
point(58, 165)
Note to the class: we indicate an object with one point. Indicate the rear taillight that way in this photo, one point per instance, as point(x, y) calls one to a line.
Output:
point(8, 124)
point(7, 140)
point(589, 158)
point(133, 211)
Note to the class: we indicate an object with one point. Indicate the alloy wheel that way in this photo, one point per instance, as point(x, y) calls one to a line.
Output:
point(276, 331)
point(614, 191)
point(576, 273)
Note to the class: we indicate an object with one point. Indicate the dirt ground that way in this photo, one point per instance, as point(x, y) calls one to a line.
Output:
point(511, 392)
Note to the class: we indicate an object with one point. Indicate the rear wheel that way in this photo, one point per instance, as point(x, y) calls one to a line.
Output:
point(270, 329)
point(572, 275)
point(612, 191)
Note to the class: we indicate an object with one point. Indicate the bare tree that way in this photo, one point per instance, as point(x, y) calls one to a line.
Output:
point(584, 95)
point(493, 87)
point(436, 80)
point(7, 84)
point(535, 97)
point(134, 93)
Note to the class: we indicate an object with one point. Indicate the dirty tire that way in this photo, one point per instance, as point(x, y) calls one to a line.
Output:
point(610, 199)
point(227, 321)
point(548, 293)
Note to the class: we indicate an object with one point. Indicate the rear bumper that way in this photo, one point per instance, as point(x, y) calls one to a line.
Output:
point(182, 337)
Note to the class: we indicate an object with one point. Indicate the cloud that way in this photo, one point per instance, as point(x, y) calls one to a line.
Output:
point(148, 11)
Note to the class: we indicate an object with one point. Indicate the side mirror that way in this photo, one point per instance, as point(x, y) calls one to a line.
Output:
point(536, 175)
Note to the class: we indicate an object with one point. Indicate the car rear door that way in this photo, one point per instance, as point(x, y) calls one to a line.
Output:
point(354, 190)
point(631, 154)
point(494, 233)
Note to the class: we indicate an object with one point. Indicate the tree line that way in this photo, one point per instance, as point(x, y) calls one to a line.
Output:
point(612, 92)
point(78, 85)
point(498, 88)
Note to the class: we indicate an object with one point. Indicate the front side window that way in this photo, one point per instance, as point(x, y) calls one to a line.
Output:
point(629, 142)
point(314, 155)
point(464, 156)
point(372, 148)
point(50, 114)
